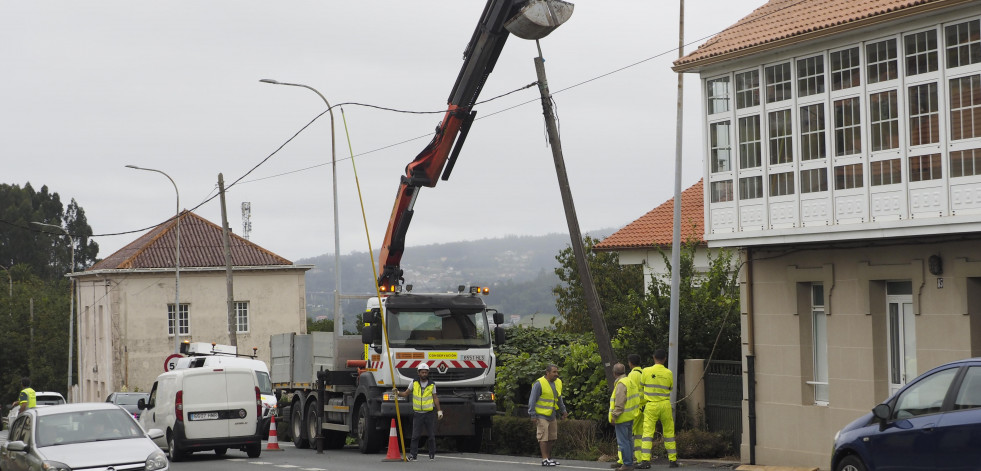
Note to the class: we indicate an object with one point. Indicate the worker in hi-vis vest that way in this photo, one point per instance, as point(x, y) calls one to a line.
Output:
point(658, 381)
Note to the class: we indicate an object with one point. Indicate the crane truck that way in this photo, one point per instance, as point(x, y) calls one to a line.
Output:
point(451, 332)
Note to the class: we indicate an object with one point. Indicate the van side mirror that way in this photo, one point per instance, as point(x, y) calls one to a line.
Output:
point(366, 334)
point(141, 404)
point(498, 318)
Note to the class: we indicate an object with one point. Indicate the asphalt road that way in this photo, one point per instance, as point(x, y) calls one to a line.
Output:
point(291, 458)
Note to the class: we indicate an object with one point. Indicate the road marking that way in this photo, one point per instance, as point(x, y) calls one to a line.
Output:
point(287, 466)
point(537, 463)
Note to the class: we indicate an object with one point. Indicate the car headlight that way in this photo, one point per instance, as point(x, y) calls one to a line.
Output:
point(54, 466)
point(485, 396)
point(156, 460)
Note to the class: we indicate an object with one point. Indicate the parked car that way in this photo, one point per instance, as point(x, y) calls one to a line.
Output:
point(128, 401)
point(93, 435)
point(934, 422)
point(42, 399)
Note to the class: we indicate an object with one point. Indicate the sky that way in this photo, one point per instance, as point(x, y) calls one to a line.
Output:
point(92, 86)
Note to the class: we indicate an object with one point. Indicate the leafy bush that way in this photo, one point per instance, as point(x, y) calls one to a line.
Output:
point(697, 443)
point(578, 439)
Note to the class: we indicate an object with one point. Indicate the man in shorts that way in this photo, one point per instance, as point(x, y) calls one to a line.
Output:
point(544, 405)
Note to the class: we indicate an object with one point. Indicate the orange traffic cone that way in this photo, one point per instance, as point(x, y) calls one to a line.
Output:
point(393, 445)
point(273, 444)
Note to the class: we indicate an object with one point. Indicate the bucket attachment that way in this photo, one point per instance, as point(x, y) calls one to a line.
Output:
point(539, 18)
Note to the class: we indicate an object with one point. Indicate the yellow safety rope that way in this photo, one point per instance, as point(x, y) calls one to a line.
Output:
point(374, 271)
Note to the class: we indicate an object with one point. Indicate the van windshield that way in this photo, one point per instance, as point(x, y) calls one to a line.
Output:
point(438, 329)
point(265, 385)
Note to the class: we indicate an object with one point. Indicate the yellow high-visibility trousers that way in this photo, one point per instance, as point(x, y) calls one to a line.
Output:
point(639, 436)
point(654, 412)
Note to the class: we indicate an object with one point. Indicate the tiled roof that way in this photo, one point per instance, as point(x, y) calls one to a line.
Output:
point(781, 22)
point(201, 246)
point(656, 228)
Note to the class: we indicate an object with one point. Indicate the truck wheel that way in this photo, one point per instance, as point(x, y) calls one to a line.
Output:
point(312, 424)
point(297, 430)
point(368, 436)
point(471, 444)
point(220, 451)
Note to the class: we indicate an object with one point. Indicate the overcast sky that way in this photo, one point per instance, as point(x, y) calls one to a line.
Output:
point(91, 86)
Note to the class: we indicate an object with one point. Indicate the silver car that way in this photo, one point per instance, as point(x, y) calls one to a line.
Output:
point(80, 436)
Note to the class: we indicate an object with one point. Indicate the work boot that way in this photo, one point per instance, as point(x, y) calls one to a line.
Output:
point(672, 464)
point(615, 465)
point(643, 465)
point(626, 468)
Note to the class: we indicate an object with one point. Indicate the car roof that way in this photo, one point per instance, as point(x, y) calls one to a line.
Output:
point(76, 407)
point(48, 393)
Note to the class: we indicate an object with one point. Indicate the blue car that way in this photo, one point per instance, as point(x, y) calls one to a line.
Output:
point(932, 423)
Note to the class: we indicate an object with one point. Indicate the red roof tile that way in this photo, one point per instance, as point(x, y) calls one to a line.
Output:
point(782, 22)
point(656, 228)
point(201, 246)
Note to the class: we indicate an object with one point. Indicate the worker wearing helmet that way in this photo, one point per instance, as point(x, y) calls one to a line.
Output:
point(426, 410)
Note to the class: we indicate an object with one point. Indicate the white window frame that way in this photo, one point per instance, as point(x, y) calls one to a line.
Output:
point(819, 345)
point(241, 317)
point(184, 319)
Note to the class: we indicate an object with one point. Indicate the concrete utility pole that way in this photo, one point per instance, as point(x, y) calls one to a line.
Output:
point(585, 277)
point(676, 236)
point(232, 321)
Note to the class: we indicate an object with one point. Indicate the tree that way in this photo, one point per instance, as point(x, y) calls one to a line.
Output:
point(708, 311)
point(615, 284)
point(45, 250)
point(34, 318)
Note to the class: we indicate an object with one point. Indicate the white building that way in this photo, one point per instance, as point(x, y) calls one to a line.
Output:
point(842, 154)
point(126, 303)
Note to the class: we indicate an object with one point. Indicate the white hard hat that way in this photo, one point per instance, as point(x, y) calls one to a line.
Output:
point(424, 366)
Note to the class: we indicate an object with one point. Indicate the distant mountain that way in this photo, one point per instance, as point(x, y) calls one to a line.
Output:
point(520, 271)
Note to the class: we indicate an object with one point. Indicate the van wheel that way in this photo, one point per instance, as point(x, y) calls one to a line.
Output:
point(175, 454)
point(296, 427)
point(369, 439)
point(220, 451)
point(253, 450)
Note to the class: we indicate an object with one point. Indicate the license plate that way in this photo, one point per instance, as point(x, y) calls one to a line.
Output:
point(205, 416)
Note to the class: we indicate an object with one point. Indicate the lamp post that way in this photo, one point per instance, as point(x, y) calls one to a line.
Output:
point(337, 236)
point(71, 305)
point(177, 261)
point(338, 318)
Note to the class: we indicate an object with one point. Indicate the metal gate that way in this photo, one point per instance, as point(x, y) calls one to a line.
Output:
point(723, 399)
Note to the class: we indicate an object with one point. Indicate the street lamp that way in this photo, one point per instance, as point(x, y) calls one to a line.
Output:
point(337, 236)
point(177, 261)
point(71, 305)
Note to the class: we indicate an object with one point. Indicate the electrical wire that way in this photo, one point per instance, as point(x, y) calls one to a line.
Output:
point(428, 135)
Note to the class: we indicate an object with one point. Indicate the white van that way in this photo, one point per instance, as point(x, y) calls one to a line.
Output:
point(205, 409)
point(261, 376)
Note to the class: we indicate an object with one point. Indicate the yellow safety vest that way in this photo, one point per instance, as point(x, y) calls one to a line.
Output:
point(27, 395)
point(658, 381)
point(636, 376)
point(422, 399)
point(547, 402)
point(632, 407)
